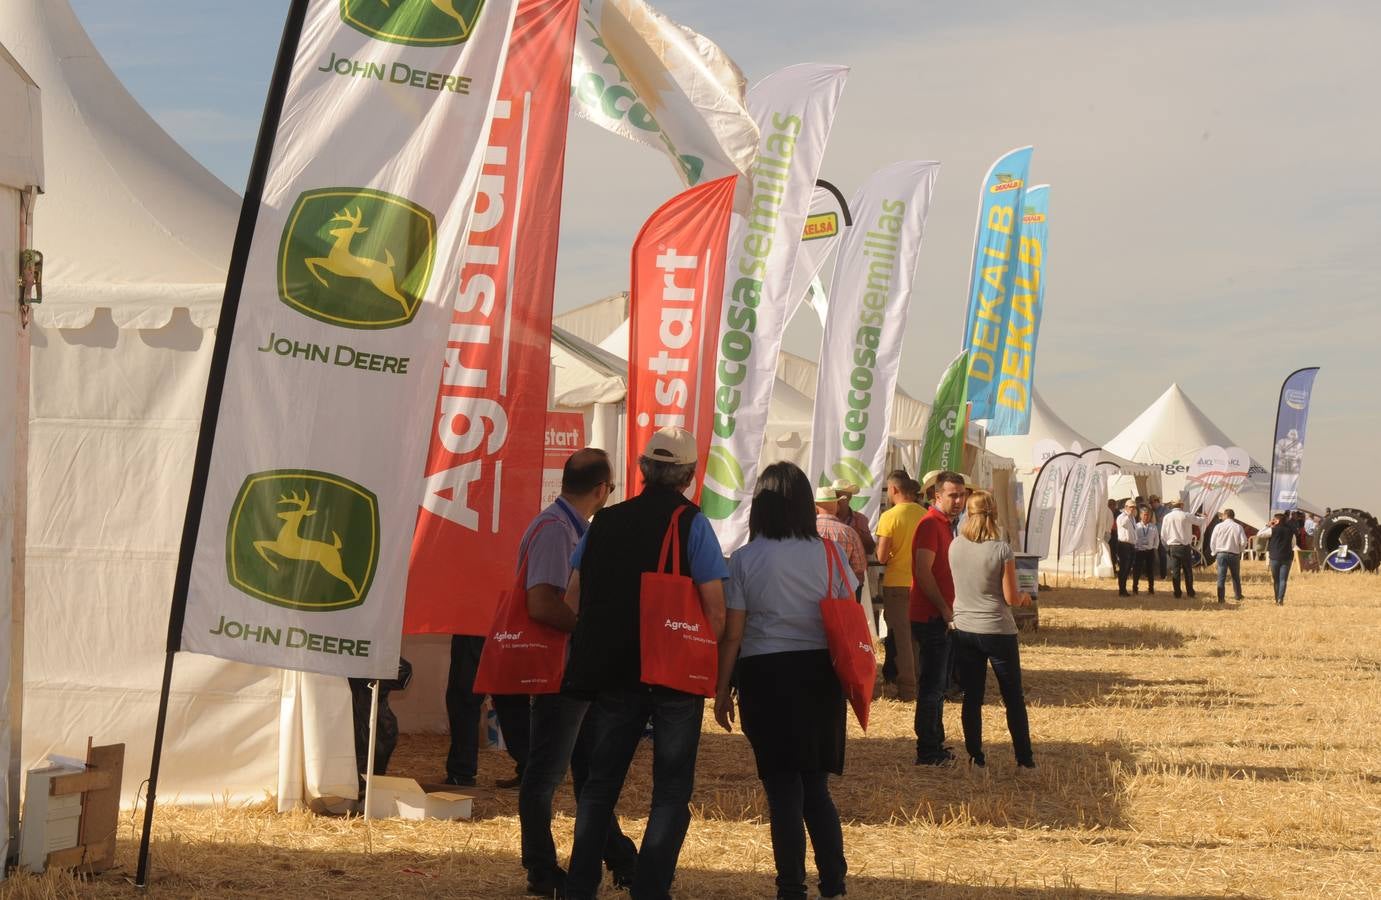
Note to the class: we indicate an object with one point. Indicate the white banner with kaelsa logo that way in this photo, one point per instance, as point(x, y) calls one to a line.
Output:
point(643, 76)
point(327, 379)
point(869, 300)
point(794, 109)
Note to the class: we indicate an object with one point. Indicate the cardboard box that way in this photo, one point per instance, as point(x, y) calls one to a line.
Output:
point(404, 798)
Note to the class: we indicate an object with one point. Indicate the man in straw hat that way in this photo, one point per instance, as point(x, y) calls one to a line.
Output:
point(846, 491)
point(831, 529)
point(623, 542)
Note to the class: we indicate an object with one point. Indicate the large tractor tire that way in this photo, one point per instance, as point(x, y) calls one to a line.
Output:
point(1365, 541)
point(1330, 531)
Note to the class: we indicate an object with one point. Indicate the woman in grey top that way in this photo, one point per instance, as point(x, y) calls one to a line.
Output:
point(775, 652)
point(985, 586)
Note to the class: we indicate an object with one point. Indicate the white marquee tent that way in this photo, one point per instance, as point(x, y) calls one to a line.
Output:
point(137, 237)
point(21, 177)
point(1169, 433)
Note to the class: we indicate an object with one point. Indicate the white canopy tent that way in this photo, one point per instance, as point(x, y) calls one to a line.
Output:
point(1169, 433)
point(21, 177)
point(1048, 435)
point(137, 237)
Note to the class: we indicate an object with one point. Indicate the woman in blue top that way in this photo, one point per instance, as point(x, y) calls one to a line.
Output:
point(790, 700)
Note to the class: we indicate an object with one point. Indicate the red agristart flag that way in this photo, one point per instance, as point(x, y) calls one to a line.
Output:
point(482, 488)
point(676, 297)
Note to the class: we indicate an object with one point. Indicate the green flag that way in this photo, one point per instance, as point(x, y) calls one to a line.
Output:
point(944, 432)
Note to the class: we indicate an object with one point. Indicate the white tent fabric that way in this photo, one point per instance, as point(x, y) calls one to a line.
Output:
point(137, 236)
point(1049, 434)
point(1169, 433)
point(21, 171)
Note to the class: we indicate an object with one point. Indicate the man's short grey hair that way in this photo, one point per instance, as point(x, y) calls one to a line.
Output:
point(664, 474)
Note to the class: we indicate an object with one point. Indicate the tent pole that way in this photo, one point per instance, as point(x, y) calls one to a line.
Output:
point(369, 762)
point(141, 878)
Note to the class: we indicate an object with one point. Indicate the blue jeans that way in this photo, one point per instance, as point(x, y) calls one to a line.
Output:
point(621, 717)
point(1280, 574)
point(972, 654)
point(932, 643)
point(1230, 562)
point(560, 738)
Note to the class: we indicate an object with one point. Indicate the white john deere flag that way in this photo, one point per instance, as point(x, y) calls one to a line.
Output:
point(641, 75)
point(329, 384)
point(869, 299)
point(794, 109)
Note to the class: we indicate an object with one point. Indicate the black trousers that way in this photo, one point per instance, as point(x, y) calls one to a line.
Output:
point(463, 712)
point(1126, 556)
point(974, 652)
point(1181, 560)
point(797, 803)
point(1145, 566)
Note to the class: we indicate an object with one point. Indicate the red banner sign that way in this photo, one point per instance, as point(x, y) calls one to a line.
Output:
point(565, 435)
point(492, 410)
point(676, 296)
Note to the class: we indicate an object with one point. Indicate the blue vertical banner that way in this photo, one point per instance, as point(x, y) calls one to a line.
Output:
point(1016, 366)
point(1287, 453)
point(994, 271)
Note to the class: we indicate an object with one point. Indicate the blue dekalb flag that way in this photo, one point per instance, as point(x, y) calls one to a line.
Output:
point(1287, 455)
point(994, 271)
point(1016, 364)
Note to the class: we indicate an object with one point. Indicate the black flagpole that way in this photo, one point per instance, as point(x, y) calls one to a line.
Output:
point(234, 281)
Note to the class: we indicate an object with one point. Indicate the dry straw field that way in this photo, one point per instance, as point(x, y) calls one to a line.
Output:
point(1185, 750)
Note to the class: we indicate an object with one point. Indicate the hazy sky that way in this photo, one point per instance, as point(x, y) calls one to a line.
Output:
point(1215, 172)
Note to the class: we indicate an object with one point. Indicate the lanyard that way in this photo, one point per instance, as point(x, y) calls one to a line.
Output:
point(579, 524)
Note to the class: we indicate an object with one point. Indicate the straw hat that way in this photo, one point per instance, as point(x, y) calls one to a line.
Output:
point(846, 488)
point(826, 494)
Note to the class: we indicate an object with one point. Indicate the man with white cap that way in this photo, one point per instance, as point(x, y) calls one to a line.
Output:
point(623, 542)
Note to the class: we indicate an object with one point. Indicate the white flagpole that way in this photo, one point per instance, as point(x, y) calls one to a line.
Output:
point(369, 763)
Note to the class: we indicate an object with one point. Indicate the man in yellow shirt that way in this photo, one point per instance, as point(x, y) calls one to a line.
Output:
point(896, 528)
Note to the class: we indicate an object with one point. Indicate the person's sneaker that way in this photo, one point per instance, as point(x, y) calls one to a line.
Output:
point(460, 780)
point(1025, 768)
point(509, 784)
point(623, 876)
point(978, 762)
point(1177, 595)
point(546, 884)
point(1123, 594)
point(1193, 596)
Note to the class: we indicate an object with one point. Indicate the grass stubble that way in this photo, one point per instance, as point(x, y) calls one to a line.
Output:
point(1185, 750)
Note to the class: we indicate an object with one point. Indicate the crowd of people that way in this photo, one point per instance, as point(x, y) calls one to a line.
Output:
point(1150, 537)
point(948, 585)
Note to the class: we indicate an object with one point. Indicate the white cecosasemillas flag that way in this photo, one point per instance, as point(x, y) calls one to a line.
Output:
point(337, 338)
point(794, 109)
point(639, 74)
point(869, 300)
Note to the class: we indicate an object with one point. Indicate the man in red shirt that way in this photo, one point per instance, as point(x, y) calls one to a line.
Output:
point(932, 615)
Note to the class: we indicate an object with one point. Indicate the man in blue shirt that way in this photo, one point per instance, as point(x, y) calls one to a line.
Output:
point(561, 732)
point(625, 541)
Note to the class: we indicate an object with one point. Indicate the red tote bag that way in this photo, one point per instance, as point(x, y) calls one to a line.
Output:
point(678, 648)
point(851, 643)
point(521, 656)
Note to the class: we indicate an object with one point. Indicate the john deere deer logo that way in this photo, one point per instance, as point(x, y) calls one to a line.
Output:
point(417, 23)
point(356, 257)
point(303, 539)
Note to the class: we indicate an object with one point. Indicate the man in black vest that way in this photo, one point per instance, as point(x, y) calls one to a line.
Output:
point(623, 542)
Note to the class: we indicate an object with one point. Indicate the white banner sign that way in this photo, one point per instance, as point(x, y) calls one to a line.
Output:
point(332, 366)
point(1080, 494)
point(794, 109)
point(1043, 519)
point(869, 299)
point(643, 76)
point(825, 225)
